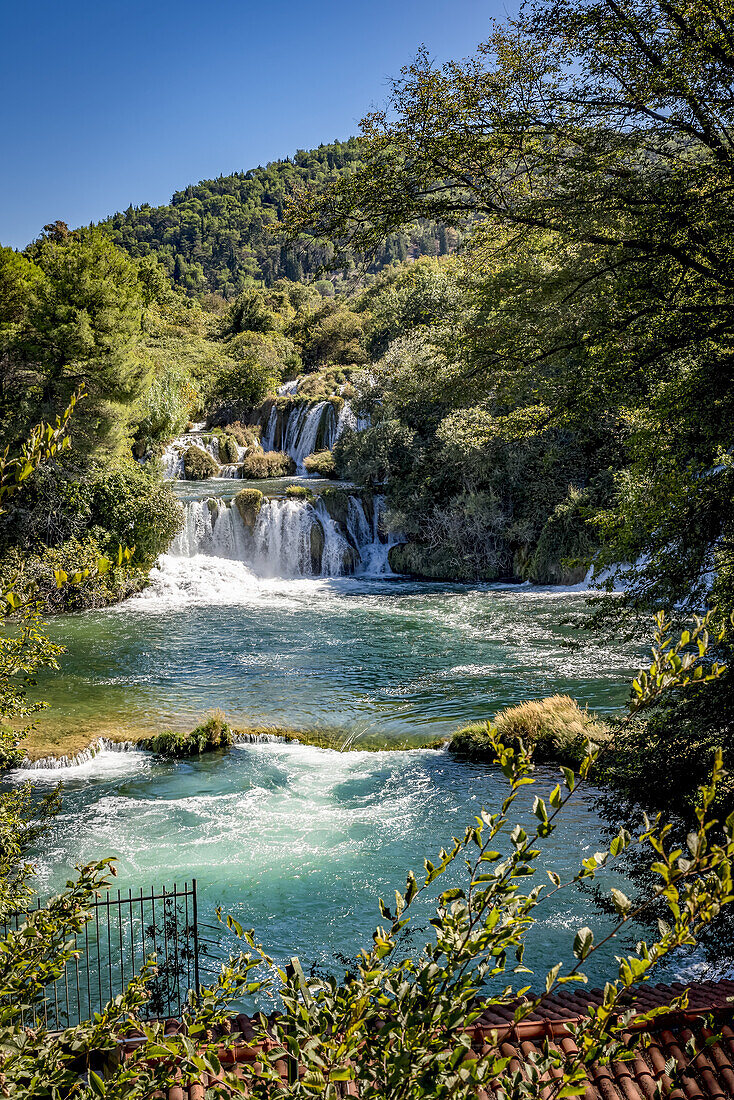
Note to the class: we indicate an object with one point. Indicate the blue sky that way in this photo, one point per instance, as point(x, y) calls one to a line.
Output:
point(106, 104)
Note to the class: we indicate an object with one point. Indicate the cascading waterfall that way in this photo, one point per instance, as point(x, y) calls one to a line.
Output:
point(290, 538)
point(302, 429)
point(102, 744)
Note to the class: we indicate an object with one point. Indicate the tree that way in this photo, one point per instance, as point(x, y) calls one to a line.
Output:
point(591, 142)
point(81, 327)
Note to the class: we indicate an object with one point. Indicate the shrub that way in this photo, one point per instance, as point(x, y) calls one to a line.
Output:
point(227, 446)
point(261, 464)
point(26, 571)
point(557, 728)
point(300, 492)
point(214, 735)
point(134, 507)
point(321, 463)
point(246, 435)
point(248, 503)
point(199, 465)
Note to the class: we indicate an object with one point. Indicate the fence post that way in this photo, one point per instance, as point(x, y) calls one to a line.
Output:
point(195, 913)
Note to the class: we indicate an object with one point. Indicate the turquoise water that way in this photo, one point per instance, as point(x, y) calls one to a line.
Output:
point(295, 841)
point(299, 842)
point(379, 657)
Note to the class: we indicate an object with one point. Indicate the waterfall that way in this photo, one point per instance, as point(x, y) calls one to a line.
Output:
point(290, 538)
point(46, 763)
point(268, 434)
point(301, 429)
point(348, 419)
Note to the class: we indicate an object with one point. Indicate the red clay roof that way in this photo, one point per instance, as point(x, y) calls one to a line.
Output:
point(709, 1076)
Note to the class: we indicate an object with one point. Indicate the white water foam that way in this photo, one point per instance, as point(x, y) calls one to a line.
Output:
point(102, 758)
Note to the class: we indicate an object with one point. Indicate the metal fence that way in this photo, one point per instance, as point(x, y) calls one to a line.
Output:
point(123, 933)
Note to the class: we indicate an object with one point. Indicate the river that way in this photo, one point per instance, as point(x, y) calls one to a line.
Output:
point(297, 841)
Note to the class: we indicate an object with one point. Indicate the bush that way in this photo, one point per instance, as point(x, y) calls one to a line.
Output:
point(135, 508)
point(246, 435)
point(227, 446)
point(214, 735)
point(24, 571)
point(262, 464)
point(321, 463)
point(199, 465)
point(248, 503)
point(299, 492)
point(557, 728)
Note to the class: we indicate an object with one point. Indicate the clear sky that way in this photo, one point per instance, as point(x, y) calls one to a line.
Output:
point(106, 104)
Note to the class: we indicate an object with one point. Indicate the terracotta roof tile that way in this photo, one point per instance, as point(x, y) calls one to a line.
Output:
point(709, 1076)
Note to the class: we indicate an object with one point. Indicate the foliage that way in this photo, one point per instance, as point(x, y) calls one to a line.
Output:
point(260, 464)
point(40, 574)
point(228, 452)
point(213, 735)
point(81, 325)
point(245, 381)
point(588, 147)
point(248, 503)
point(321, 463)
point(198, 464)
point(165, 408)
point(299, 492)
point(567, 543)
point(134, 507)
point(556, 728)
point(221, 236)
point(334, 334)
point(61, 523)
point(245, 435)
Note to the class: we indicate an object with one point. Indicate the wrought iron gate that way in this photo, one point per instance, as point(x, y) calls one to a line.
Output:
point(124, 932)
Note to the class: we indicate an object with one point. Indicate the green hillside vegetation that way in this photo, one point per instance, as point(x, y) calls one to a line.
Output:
point(216, 237)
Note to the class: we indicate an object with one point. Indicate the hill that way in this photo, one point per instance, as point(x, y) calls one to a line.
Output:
point(216, 236)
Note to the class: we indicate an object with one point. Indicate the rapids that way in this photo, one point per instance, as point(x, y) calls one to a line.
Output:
point(296, 841)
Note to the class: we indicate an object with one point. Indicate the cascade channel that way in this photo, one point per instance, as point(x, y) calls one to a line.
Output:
point(302, 429)
point(290, 538)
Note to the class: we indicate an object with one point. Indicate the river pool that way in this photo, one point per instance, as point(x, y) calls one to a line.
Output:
point(296, 841)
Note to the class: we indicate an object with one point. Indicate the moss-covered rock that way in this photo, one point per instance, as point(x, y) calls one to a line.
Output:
point(336, 502)
point(321, 463)
point(317, 540)
point(214, 735)
point(248, 503)
point(566, 545)
point(199, 464)
point(300, 492)
point(261, 464)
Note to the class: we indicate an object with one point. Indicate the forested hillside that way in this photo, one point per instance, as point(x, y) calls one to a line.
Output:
point(216, 236)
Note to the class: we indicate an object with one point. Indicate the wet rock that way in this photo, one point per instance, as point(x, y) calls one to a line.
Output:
point(317, 546)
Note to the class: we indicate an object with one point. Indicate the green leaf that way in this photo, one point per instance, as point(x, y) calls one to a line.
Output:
point(583, 943)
